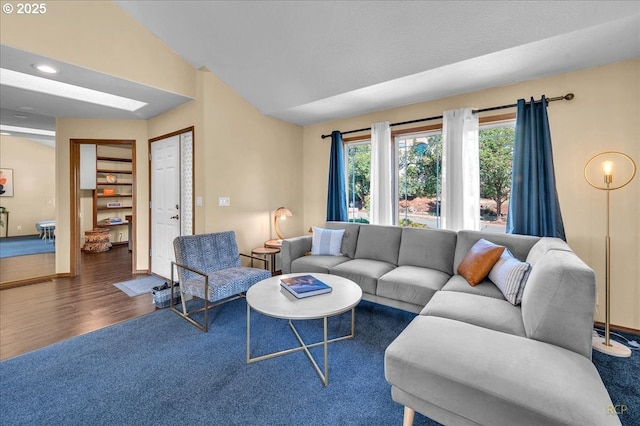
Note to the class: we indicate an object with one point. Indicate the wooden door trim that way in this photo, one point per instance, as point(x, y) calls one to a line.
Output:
point(74, 219)
point(159, 138)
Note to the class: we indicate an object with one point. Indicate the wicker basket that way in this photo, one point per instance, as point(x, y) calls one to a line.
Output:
point(96, 240)
point(162, 296)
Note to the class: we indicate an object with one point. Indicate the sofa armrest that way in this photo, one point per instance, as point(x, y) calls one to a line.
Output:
point(293, 248)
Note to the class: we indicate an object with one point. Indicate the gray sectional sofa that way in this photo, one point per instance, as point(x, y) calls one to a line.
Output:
point(471, 357)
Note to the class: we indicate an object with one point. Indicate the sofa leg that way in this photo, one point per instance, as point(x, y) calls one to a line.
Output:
point(408, 416)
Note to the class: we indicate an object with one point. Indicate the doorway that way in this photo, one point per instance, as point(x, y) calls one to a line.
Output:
point(171, 183)
point(84, 217)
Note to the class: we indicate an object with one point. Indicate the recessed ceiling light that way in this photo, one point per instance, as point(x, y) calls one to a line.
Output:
point(65, 90)
point(28, 130)
point(27, 108)
point(20, 116)
point(5, 133)
point(47, 69)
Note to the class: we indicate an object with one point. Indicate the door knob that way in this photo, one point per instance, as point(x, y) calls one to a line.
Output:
point(174, 217)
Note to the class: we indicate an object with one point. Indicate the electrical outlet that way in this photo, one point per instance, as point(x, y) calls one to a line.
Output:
point(19, 227)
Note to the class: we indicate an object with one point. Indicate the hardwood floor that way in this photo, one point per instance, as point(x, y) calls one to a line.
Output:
point(37, 315)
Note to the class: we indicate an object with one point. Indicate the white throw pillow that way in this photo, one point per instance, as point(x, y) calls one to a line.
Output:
point(510, 276)
point(326, 242)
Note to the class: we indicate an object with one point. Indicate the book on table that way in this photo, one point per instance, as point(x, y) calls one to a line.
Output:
point(304, 286)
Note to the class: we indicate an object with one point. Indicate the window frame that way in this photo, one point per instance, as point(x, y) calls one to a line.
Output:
point(485, 122)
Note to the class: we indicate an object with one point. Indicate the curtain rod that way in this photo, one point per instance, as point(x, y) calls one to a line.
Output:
point(567, 97)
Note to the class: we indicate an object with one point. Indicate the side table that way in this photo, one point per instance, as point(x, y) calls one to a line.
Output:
point(271, 253)
point(273, 244)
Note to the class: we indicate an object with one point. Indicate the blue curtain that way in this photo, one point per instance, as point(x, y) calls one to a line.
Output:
point(337, 194)
point(533, 207)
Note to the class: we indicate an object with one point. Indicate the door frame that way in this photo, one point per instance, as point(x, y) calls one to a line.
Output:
point(159, 138)
point(74, 144)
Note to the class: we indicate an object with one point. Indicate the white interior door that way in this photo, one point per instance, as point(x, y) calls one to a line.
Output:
point(165, 203)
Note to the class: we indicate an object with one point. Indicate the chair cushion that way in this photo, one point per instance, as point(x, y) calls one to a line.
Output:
point(326, 242)
point(225, 282)
point(350, 239)
point(479, 260)
point(510, 276)
point(379, 242)
point(364, 272)
point(411, 284)
point(495, 378)
point(429, 248)
point(206, 253)
point(321, 264)
point(519, 245)
point(488, 312)
point(485, 288)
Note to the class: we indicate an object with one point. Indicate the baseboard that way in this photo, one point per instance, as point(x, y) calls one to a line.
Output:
point(617, 328)
point(28, 281)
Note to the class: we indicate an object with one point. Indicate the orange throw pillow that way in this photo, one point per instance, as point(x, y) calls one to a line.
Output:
point(478, 262)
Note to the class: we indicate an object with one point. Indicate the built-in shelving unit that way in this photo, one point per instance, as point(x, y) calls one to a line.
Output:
point(113, 196)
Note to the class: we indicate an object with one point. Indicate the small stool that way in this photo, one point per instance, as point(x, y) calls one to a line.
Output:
point(264, 252)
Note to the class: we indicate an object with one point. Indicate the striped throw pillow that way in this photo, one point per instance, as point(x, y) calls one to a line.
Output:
point(326, 242)
point(510, 276)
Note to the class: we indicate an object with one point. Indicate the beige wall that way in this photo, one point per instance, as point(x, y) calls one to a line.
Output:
point(241, 154)
point(34, 188)
point(604, 116)
point(99, 35)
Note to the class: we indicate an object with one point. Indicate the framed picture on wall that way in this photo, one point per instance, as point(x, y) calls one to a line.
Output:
point(6, 182)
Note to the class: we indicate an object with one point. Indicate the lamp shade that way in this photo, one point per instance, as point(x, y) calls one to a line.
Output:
point(281, 213)
point(611, 167)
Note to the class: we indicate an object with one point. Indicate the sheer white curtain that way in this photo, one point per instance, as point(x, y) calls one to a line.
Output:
point(460, 170)
point(381, 205)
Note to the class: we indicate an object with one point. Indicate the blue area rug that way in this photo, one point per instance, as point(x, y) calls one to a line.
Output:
point(158, 369)
point(22, 246)
point(139, 286)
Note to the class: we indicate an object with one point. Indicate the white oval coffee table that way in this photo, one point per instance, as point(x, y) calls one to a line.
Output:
point(269, 298)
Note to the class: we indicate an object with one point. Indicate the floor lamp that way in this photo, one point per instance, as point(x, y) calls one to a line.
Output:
point(609, 171)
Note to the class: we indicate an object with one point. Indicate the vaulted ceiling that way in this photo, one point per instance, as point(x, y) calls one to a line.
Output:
point(311, 61)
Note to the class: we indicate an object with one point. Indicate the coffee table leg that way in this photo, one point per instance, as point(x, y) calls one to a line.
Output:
point(324, 376)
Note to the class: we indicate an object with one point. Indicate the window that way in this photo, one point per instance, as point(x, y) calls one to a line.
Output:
point(358, 180)
point(418, 161)
point(418, 177)
point(496, 160)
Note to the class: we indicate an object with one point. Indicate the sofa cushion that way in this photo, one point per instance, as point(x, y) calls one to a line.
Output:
point(350, 239)
point(322, 264)
point(510, 276)
point(544, 245)
point(364, 272)
point(494, 378)
point(485, 288)
point(428, 248)
point(559, 300)
point(519, 245)
point(379, 243)
point(479, 260)
point(326, 242)
point(411, 284)
point(487, 312)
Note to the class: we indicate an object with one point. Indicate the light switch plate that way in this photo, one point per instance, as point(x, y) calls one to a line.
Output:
point(198, 201)
point(224, 201)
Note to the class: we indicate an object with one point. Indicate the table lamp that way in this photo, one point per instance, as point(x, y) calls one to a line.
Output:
point(281, 213)
point(609, 171)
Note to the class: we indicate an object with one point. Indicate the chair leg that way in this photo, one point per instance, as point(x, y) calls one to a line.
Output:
point(205, 309)
point(409, 413)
